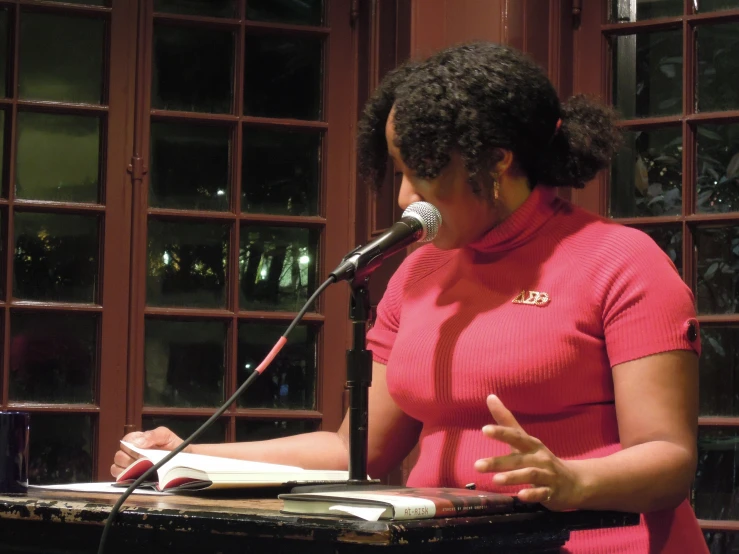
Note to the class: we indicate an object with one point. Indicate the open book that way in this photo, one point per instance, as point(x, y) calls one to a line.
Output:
point(198, 472)
point(401, 503)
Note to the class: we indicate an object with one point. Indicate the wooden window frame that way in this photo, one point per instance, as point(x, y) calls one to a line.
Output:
point(113, 210)
point(591, 70)
point(332, 309)
point(125, 156)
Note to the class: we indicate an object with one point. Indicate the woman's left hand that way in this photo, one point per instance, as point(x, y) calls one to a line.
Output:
point(552, 482)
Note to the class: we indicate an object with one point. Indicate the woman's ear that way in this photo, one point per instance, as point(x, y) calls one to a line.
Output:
point(505, 162)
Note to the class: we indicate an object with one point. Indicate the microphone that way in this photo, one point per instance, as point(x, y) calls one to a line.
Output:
point(420, 222)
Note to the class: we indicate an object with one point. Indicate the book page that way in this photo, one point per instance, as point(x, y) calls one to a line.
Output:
point(367, 513)
point(210, 464)
point(405, 507)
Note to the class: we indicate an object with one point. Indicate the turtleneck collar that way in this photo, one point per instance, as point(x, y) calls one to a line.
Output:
point(521, 225)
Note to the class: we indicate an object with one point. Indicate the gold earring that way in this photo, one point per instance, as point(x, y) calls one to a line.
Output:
point(496, 188)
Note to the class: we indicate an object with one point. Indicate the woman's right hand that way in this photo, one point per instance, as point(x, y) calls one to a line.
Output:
point(160, 438)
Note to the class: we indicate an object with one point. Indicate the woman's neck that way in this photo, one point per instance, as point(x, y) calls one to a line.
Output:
point(513, 192)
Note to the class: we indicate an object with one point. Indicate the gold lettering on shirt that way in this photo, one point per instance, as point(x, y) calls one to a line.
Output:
point(532, 298)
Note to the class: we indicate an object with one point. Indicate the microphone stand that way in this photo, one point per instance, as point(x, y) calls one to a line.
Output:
point(358, 381)
point(360, 263)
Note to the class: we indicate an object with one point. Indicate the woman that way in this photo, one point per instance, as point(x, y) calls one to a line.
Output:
point(534, 348)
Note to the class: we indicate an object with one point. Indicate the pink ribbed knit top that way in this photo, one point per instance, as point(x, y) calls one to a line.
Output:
point(596, 294)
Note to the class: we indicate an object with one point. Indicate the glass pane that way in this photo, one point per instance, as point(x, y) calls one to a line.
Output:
point(58, 157)
point(648, 74)
point(3, 243)
point(190, 166)
point(2, 154)
point(193, 69)
point(715, 5)
point(56, 257)
point(257, 429)
point(276, 69)
point(61, 58)
point(722, 542)
point(624, 11)
point(61, 449)
point(186, 426)
point(4, 50)
point(308, 12)
point(187, 264)
point(719, 392)
point(184, 363)
point(670, 240)
point(210, 8)
point(85, 2)
point(647, 174)
point(53, 357)
point(718, 67)
point(281, 172)
point(717, 168)
point(290, 381)
point(717, 251)
point(715, 487)
point(277, 267)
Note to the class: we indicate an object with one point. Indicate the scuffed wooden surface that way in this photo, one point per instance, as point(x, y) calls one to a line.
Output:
point(192, 523)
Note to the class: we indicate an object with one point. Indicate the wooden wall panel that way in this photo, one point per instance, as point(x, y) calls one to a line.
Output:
point(436, 24)
point(542, 28)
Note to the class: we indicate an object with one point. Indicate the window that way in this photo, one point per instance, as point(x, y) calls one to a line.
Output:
point(671, 67)
point(61, 174)
point(174, 186)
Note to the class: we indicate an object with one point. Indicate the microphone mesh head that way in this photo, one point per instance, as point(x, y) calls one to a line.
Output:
point(429, 217)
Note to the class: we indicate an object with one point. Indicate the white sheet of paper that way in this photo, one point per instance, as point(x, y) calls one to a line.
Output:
point(365, 513)
point(94, 487)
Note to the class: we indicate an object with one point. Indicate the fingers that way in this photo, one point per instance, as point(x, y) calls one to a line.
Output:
point(163, 438)
point(542, 495)
point(512, 461)
point(500, 413)
point(515, 460)
point(137, 438)
point(121, 460)
point(124, 457)
point(529, 463)
point(516, 437)
point(527, 476)
point(160, 438)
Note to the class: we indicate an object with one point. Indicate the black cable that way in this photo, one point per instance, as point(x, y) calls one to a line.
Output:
point(185, 443)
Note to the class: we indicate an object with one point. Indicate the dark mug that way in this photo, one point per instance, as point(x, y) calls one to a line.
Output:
point(14, 427)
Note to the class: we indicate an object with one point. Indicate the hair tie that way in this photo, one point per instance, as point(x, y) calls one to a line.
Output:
point(556, 132)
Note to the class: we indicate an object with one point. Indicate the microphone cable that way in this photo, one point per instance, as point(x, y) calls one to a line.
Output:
point(185, 443)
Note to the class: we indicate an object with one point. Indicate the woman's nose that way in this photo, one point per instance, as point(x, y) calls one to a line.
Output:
point(407, 195)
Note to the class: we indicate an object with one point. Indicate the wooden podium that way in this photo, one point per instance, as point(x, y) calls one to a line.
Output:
point(64, 522)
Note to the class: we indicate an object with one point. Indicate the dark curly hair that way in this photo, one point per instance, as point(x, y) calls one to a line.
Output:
point(476, 98)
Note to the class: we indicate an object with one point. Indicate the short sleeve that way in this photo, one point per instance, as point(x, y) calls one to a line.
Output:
point(647, 308)
point(381, 336)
